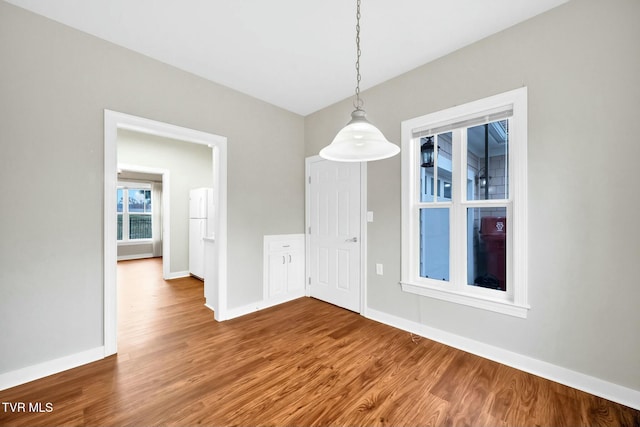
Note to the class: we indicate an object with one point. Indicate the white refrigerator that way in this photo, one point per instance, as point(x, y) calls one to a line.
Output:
point(201, 211)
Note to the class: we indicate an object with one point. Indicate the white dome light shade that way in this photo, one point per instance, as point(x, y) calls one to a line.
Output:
point(359, 141)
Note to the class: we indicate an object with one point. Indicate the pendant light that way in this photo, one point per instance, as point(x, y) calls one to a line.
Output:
point(359, 140)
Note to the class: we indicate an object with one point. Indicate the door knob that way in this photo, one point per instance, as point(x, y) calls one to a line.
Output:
point(353, 240)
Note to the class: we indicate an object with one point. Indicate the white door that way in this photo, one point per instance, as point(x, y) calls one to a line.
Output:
point(334, 233)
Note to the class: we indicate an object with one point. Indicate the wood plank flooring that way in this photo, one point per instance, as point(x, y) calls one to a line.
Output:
point(304, 363)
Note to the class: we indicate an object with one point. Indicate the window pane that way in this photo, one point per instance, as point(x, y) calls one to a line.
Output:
point(139, 226)
point(444, 166)
point(430, 184)
point(139, 201)
point(487, 161)
point(434, 243)
point(119, 198)
point(119, 227)
point(486, 247)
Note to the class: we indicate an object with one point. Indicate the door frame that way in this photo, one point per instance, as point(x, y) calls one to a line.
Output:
point(363, 229)
point(112, 122)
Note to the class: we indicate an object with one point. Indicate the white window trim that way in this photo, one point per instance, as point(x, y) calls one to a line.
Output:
point(514, 301)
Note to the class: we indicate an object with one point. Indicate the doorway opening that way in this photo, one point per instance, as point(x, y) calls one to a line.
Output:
point(113, 121)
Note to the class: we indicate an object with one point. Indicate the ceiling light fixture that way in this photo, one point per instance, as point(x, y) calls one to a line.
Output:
point(359, 140)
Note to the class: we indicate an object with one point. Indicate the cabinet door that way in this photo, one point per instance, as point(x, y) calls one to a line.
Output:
point(283, 267)
point(295, 271)
point(277, 273)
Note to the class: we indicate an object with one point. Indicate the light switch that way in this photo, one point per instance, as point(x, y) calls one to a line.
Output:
point(369, 216)
point(379, 269)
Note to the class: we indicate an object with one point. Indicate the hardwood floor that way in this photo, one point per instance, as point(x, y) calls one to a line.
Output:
point(302, 363)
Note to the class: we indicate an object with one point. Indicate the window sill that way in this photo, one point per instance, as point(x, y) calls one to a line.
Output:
point(134, 242)
point(498, 306)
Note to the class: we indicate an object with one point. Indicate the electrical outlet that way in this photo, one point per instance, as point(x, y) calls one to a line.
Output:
point(379, 270)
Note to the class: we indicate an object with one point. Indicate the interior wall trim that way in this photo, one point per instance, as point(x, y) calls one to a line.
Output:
point(577, 380)
point(136, 256)
point(232, 313)
point(177, 275)
point(44, 369)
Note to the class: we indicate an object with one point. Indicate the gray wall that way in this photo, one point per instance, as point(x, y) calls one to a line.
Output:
point(189, 165)
point(581, 63)
point(55, 83)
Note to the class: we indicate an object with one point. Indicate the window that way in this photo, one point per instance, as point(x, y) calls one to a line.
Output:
point(134, 211)
point(464, 199)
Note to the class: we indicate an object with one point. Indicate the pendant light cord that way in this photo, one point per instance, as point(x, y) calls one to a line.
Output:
point(358, 102)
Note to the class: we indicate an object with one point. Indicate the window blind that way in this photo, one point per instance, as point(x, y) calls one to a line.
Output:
point(134, 185)
point(464, 122)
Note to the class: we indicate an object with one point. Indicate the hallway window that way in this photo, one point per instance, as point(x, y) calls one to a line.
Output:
point(134, 210)
point(464, 174)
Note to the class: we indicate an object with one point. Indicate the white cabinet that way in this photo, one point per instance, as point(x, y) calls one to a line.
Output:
point(283, 267)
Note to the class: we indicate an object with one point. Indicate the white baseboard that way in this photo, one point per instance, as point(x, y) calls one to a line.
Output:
point(135, 256)
point(589, 384)
point(177, 275)
point(232, 313)
point(41, 370)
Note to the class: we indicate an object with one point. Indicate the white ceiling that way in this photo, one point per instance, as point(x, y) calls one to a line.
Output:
point(296, 54)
